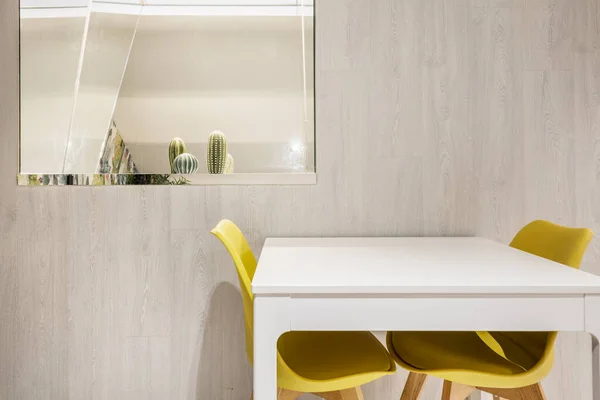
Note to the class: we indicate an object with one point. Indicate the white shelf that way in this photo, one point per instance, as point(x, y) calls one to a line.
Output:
point(171, 3)
point(252, 179)
point(113, 8)
point(71, 12)
point(54, 3)
point(168, 10)
point(243, 179)
point(178, 3)
point(237, 11)
point(138, 2)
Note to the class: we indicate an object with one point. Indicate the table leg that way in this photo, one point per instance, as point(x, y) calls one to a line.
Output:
point(596, 366)
point(270, 321)
point(592, 326)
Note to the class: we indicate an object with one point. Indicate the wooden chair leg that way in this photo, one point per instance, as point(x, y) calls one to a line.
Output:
point(456, 391)
point(346, 394)
point(502, 394)
point(284, 394)
point(352, 394)
point(532, 392)
point(413, 386)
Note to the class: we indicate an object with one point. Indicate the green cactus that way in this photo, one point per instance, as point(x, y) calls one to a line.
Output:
point(185, 163)
point(216, 153)
point(229, 164)
point(176, 147)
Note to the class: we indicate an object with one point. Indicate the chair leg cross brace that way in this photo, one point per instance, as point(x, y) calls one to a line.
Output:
point(457, 391)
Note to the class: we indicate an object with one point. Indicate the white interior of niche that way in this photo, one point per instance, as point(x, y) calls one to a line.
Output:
point(137, 101)
point(77, 8)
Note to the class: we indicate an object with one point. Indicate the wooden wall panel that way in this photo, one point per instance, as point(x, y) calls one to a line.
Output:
point(434, 117)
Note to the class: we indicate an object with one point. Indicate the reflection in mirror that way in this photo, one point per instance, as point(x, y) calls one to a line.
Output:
point(181, 87)
point(110, 34)
point(244, 76)
point(52, 34)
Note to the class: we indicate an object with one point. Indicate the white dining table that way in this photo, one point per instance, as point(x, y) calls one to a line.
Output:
point(408, 284)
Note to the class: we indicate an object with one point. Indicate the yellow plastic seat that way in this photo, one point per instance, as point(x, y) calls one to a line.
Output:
point(328, 363)
point(502, 363)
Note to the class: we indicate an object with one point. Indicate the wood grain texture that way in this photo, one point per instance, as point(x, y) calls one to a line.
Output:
point(587, 148)
point(434, 117)
point(346, 394)
point(414, 386)
point(456, 391)
point(548, 33)
point(549, 145)
point(532, 392)
point(9, 126)
point(9, 297)
point(497, 117)
point(284, 394)
point(42, 280)
point(94, 344)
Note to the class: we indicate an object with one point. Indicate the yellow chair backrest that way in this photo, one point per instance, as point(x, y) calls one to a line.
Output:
point(554, 242)
point(245, 263)
point(557, 243)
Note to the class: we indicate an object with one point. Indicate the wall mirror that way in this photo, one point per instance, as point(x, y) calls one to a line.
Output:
point(167, 92)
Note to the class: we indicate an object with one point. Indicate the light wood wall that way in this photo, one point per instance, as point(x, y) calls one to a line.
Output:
point(434, 117)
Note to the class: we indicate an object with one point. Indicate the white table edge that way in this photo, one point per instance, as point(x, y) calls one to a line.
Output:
point(412, 291)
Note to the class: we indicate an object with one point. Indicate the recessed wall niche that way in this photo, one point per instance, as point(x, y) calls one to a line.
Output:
point(167, 92)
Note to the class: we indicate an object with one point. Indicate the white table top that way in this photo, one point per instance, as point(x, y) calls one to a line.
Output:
point(410, 266)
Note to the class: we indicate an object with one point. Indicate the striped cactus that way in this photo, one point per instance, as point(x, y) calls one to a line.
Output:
point(216, 153)
point(176, 147)
point(185, 163)
point(229, 164)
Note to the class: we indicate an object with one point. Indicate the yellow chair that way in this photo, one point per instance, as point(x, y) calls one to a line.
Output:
point(509, 365)
point(331, 365)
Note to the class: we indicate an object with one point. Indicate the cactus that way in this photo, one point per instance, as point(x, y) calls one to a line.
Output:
point(216, 153)
point(185, 163)
point(176, 147)
point(229, 164)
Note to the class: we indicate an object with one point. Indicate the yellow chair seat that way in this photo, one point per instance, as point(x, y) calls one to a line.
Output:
point(327, 361)
point(463, 357)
